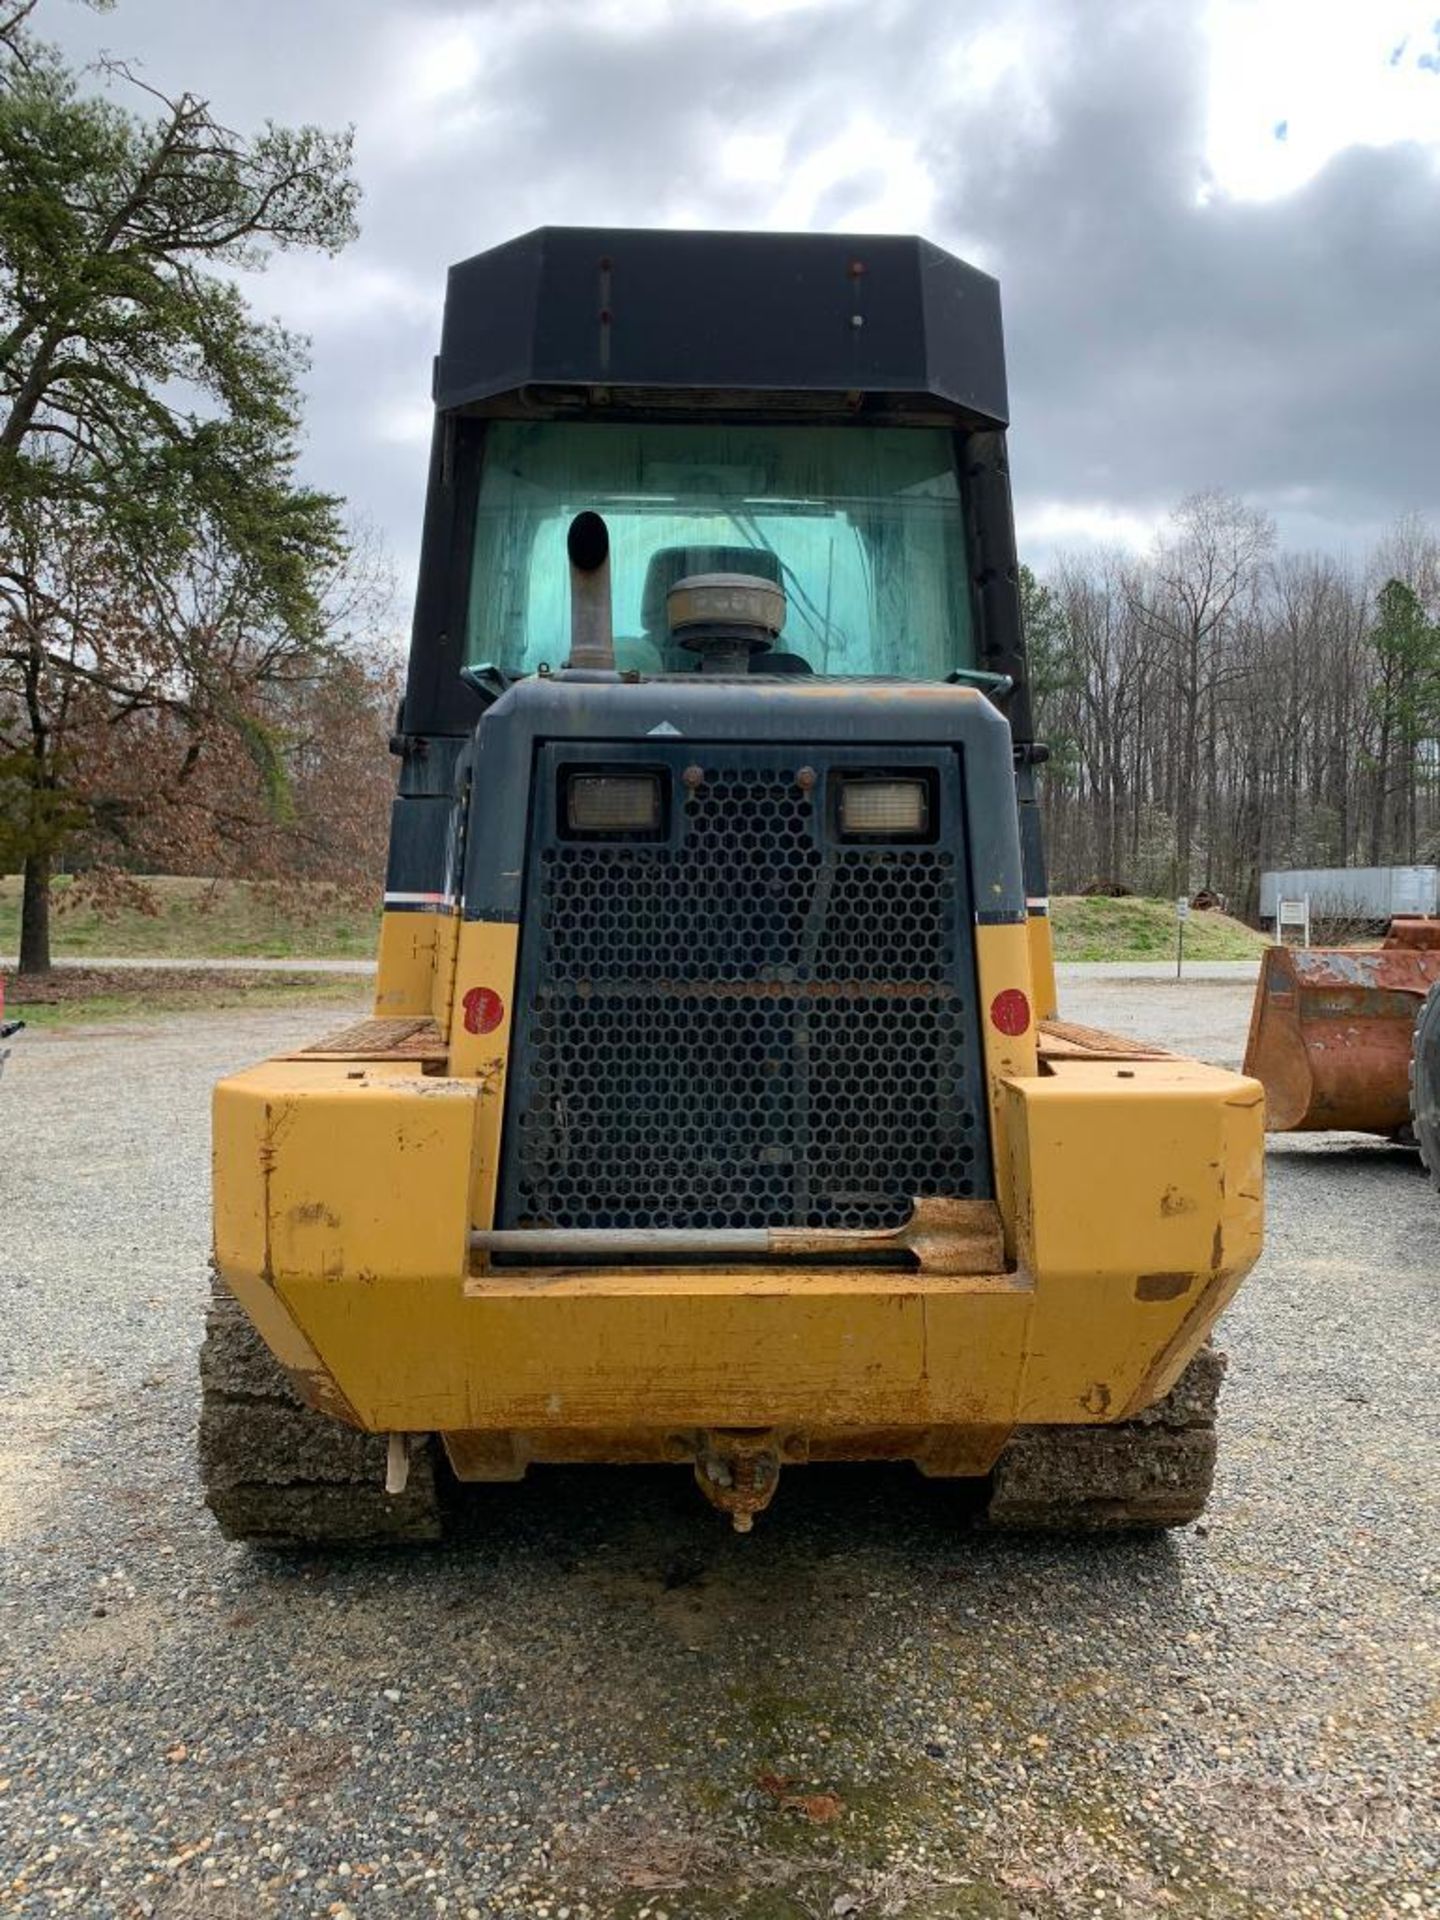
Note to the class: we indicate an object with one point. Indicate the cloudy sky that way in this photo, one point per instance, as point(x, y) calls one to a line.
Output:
point(1216, 223)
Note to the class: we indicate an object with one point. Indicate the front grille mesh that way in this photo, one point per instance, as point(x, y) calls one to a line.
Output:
point(756, 1027)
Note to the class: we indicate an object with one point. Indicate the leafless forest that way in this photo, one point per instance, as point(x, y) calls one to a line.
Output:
point(1221, 706)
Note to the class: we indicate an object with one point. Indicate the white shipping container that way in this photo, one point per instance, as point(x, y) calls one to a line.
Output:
point(1353, 893)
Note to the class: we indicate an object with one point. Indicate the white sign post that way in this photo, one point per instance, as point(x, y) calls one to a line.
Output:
point(1293, 913)
point(1182, 914)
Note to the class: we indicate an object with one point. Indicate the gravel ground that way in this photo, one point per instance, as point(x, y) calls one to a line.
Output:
point(602, 1703)
point(1160, 971)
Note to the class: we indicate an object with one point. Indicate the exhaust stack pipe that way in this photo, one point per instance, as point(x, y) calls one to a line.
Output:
point(592, 640)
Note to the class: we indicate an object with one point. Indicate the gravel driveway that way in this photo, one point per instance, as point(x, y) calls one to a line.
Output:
point(603, 1703)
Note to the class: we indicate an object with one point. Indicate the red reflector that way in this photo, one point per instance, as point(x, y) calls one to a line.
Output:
point(1010, 1011)
point(484, 1010)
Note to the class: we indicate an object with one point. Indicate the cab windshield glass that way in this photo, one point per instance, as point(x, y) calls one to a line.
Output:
point(861, 526)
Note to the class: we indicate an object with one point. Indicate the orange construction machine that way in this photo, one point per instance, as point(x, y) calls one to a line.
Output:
point(1348, 1039)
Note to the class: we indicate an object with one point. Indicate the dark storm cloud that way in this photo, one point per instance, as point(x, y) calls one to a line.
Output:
point(1161, 338)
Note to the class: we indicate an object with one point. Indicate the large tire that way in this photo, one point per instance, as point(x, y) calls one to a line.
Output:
point(278, 1474)
point(1139, 1475)
point(1425, 1084)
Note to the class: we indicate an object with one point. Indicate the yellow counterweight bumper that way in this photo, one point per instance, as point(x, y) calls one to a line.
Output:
point(343, 1212)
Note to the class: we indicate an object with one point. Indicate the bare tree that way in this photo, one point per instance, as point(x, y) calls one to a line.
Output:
point(1203, 572)
point(1230, 708)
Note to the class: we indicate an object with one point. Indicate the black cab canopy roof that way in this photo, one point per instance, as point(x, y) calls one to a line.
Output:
point(593, 317)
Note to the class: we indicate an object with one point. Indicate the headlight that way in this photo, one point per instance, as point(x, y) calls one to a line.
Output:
point(884, 809)
point(614, 804)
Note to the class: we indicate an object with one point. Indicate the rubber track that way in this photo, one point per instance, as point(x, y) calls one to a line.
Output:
point(1139, 1475)
point(278, 1474)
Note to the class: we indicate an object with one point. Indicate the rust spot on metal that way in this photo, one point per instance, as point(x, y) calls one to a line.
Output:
point(1414, 934)
point(1096, 1398)
point(738, 1471)
point(784, 989)
point(316, 1388)
point(944, 1236)
point(267, 1170)
point(1163, 1286)
point(1068, 1040)
point(313, 1213)
point(407, 1039)
point(1173, 1202)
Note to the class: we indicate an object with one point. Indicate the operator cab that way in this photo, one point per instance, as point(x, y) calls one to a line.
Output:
point(808, 426)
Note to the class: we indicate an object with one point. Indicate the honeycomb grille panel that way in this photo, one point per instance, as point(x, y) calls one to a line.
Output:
point(748, 1026)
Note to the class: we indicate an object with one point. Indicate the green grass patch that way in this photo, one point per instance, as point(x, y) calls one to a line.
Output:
point(1143, 929)
point(86, 996)
point(249, 919)
point(206, 920)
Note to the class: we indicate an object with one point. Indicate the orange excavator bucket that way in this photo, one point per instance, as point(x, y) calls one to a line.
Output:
point(1332, 1031)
